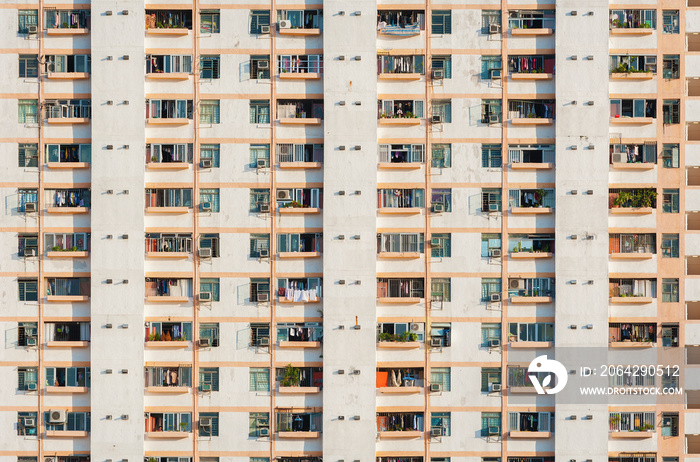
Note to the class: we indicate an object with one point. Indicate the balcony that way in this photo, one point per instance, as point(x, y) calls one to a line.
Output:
point(292, 424)
point(299, 290)
point(168, 425)
point(632, 291)
point(631, 425)
point(531, 290)
point(68, 334)
point(630, 22)
point(399, 291)
point(531, 157)
point(632, 201)
point(68, 289)
point(67, 22)
point(394, 68)
point(531, 246)
point(637, 157)
point(399, 381)
point(531, 22)
point(168, 22)
point(168, 246)
point(299, 380)
point(299, 335)
point(168, 112)
point(632, 335)
point(300, 112)
point(397, 24)
point(68, 112)
point(168, 379)
point(299, 201)
point(531, 67)
point(165, 290)
point(632, 246)
point(300, 67)
point(299, 22)
point(632, 112)
point(531, 201)
point(400, 425)
point(300, 156)
point(400, 201)
point(168, 201)
point(531, 112)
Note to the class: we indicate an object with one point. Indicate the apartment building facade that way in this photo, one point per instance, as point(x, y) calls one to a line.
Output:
point(284, 230)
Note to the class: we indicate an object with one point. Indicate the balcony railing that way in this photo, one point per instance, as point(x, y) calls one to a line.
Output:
point(531, 64)
point(633, 19)
point(401, 153)
point(409, 64)
point(299, 422)
point(400, 23)
point(399, 378)
point(67, 19)
point(400, 288)
point(300, 64)
point(168, 422)
point(533, 244)
point(67, 331)
point(301, 377)
point(299, 332)
point(632, 243)
point(531, 287)
point(164, 287)
point(531, 109)
point(168, 376)
point(168, 331)
point(632, 198)
point(632, 332)
point(531, 198)
point(74, 109)
point(632, 288)
point(59, 198)
point(632, 421)
point(168, 19)
point(169, 243)
point(289, 152)
point(300, 109)
point(400, 421)
point(68, 286)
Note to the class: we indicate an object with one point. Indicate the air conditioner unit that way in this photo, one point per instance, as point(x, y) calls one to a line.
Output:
point(284, 194)
point(206, 206)
point(494, 387)
point(618, 157)
point(205, 297)
point(494, 207)
point(32, 29)
point(57, 416)
point(31, 386)
point(264, 29)
point(263, 297)
point(264, 253)
point(263, 65)
point(493, 431)
point(415, 327)
point(205, 422)
point(438, 74)
point(435, 241)
point(494, 118)
point(262, 163)
point(436, 342)
point(30, 207)
point(518, 284)
point(207, 163)
point(438, 208)
point(30, 423)
point(264, 208)
point(436, 431)
point(435, 387)
point(30, 252)
point(436, 119)
point(30, 341)
point(285, 24)
point(495, 297)
point(495, 253)
point(494, 29)
point(49, 459)
point(205, 253)
point(264, 432)
point(495, 74)
point(206, 387)
point(264, 341)
point(494, 342)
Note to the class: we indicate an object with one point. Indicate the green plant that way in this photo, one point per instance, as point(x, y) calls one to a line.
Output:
point(74, 249)
point(385, 337)
point(291, 376)
point(615, 419)
point(65, 25)
point(183, 426)
point(153, 158)
point(55, 248)
point(151, 337)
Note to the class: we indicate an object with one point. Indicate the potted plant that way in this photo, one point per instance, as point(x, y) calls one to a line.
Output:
point(183, 426)
point(291, 376)
point(615, 419)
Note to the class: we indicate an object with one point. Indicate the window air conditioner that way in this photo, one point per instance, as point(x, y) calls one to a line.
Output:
point(494, 29)
point(494, 342)
point(30, 252)
point(207, 163)
point(494, 207)
point(518, 284)
point(263, 297)
point(33, 29)
point(494, 118)
point(57, 416)
point(495, 74)
point(205, 422)
point(30, 341)
point(263, 65)
point(435, 241)
point(495, 297)
point(264, 253)
point(495, 253)
point(438, 74)
point(436, 119)
point(494, 431)
point(205, 297)
point(438, 208)
point(262, 163)
point(205, 253)
point(206, 387)
point(264, 432)
point(31, 386)
point(206, 206)
point(436, 342)
point(284, 194)
point(435, 387)
point(30, 207)
point(30, 423)
point(285, 24)
point(436, 431)
point(264, 29)
point(264, 208)
point(494, 387)
point(264, 341)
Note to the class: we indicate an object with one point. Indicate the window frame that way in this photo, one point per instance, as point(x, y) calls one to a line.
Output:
point(441, 22)
point(215, 21)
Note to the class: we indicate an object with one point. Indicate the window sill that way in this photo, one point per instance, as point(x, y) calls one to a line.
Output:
point(399, 255)
point(393, 77)
point(171, 345)
point(168, 255)
point(66, 434)
point(530, 76)
point(633, 31)
point(398, 300)
point(398, 345)
point(632, 120)
point(299, 76)
point(399, 390)
point(298, 435)
point(170, 390)
point(631, 435)
point(529, 435)
point(67, 298)
point(298, 210)
point(631, 210)
point(163, 31)
point(293, 255)
point(531, 210)
point(630, 300)
point(632, 166)
point(284, 301)
point(531, 121)
point(298, 390)
point(67, 31)
point(67, 210)
point(300, 121)
point(400, 165)
point(152, 121)
point(167, 435)
point(632, 256)
point(179, 210)
point(530, 300)
point(294, 344)
point(408, 434)
point(399, 210)
point(531, 31)
point(66, 390)
point(529, 345)
point(632, 344)
point(300, 165)
point(168, 165)
point(165, 299)
point(631, 76)
point(301, 32)
point(531, 166)
point(61, 165)
point(68, 120)
point(399, 121)
point(168, 76)
point(68, 75)
point(67, 254)
point(69, 344)
point(530, 255)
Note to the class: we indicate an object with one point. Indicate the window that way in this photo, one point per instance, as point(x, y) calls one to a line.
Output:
point(671, 22)
point(444, 63)
point(208, 378)
point(75, 421)
point(441, 420)
point(82, 63)
point(491, 111)
point(530, 421)
point(209, 152)
point(67, 376)
point(441, 197)
point(489, 17)
point(669, 155)
point(403, 108)
point(489, 242)
point(671, 201)
point(669, 424)
point(491, 156)
point(259, 151)
point(490, 331)
point(155, 64)
point(440, 289)
point(669, 335)
point(443, 109)
point(26, 334)
point(441, 375)
point(489, 63)
point(672, 65)
point(210, 241)
point(28, 290)
point(209, 111)
point(490, 286)
point(490, 200)
point(209, 67)
point(442, 22)
point(670, 246)
point(489, 376)
point(441, 156)
point(27, 18)
point(259, 334)
point(28, 244)
point(440, 245)
point(259, 379)
point(259, 197)
point(531, 332)
point(209, 424)
point(490, 423)
point(259, 242)
point(260, 67)
point(27, 378)
point(210, 285)
point(672, 111)
point(26, 423)
point(259, 289)
point(28, 154)
point(209, 197)
point(25, 196)
point(28, 111)
point(28, 66)
point(259, 112)
point(210, 21)
point(669, 381)
point(259, 18)
point(256, 421)
point(669, 290)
